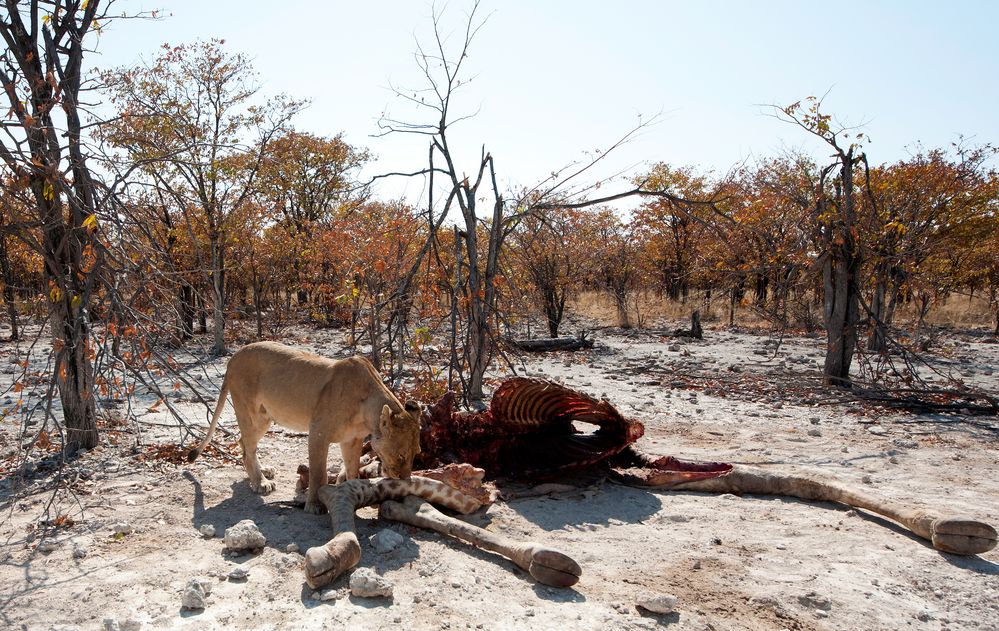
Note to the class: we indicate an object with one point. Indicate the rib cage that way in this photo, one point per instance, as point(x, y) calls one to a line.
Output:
point(528, 430)
point(536, 403)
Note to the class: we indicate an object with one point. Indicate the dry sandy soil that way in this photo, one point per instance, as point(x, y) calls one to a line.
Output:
point(732, 562)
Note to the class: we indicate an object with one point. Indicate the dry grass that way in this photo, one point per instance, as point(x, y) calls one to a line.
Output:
point(652, 311)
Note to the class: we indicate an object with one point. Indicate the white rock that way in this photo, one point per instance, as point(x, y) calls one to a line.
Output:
point(111, 624)
point(207, 531)
point(328, 595)
point(386, 540)
point(661, 604)
point(365, 583)
point(291, 548)
point(244, 536)
point(195, 594)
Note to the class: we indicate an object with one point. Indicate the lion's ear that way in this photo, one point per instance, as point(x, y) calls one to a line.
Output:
point(386, 418)
point(413, 408)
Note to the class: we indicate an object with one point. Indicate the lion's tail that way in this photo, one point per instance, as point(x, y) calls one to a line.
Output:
point(194, 453)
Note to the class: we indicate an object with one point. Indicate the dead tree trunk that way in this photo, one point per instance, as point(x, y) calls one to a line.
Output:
point(841, 282)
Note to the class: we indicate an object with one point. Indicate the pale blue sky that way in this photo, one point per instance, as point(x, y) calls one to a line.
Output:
point(555, 78)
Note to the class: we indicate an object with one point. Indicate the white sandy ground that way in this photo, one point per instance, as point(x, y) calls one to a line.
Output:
point(732, 562)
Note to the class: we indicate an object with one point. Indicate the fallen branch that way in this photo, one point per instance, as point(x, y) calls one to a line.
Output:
point(546, 345)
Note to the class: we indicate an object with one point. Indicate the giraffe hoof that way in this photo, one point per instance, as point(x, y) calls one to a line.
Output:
point(551, 567)
point(961, 535)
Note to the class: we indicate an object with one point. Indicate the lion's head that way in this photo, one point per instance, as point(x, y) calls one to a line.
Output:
point(399, 441)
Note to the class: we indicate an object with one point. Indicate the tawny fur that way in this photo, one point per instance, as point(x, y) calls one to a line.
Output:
point(335, 401)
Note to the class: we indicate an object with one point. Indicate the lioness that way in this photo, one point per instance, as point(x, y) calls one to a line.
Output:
point(336, 401)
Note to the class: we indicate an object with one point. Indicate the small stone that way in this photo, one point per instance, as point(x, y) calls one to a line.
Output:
point(696, 565)
point(207, 531)
point(661, 604)
point(866, 479)
point(877, 430)
point(814, 420)
point(906, 443)
point(122, 528)
point(291, 548)
point(195, 593)
point(80, 551)
point(238, 573)
point(924, 616)
point(813, 600)
point(328, 595)
point(893, 460)
point(814, 432)
point(781, 546)
point(47, 546)
point(387, 540)
point(244, 536)
point(365, 583)
point(111, 624)
point(845, 450)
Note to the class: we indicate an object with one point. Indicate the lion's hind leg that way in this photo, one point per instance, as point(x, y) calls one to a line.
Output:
point(253, 426)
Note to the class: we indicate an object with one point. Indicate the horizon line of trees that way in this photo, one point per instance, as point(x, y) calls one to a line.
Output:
point(198, 199)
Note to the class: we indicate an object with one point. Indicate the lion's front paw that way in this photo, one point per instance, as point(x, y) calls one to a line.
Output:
point(314, 507)
point(265, 487)
point(267, 472)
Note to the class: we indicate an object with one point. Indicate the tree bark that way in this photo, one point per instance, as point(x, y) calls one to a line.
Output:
point(840, 275)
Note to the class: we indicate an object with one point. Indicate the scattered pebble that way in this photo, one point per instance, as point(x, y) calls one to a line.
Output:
point(893, 460)
point(867, 479)
point(80, 551)
point(207, 531)
point(365, 583)
point(291, 548)
point(661, 604)
point(128, 624)
point(327, 595)
point(238, 573)
point(244, 536)
point(386, 540)
point(47, 546)
point(906, 443)
point(122, 528)
point(814, 600)
point(877, 430)
point(814, 432)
